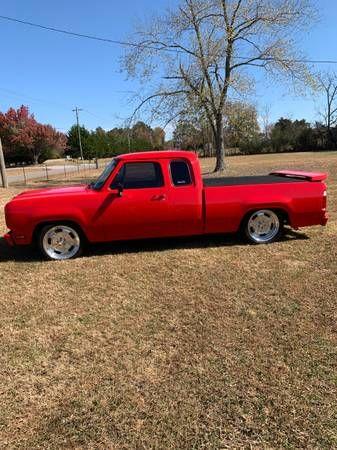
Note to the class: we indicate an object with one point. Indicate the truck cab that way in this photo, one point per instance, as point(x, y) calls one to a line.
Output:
point(151, 196)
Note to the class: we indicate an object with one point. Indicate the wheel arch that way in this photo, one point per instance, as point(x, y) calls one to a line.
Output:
point(72, 223)
point(282, 213)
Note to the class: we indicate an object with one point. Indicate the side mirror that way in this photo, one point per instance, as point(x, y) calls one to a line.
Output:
point(117, 190)
point(120, 189)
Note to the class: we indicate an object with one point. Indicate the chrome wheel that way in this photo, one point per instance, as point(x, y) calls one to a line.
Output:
point(263, 226)
point(61, 242)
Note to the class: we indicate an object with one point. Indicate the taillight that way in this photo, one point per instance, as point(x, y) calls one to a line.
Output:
point(324, 200)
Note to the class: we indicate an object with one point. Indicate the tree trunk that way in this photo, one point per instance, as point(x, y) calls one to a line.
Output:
point(219, 145)
point(36, 155)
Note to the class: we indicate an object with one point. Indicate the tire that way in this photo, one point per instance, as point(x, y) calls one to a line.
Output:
point(263, 227)
point(60, 242)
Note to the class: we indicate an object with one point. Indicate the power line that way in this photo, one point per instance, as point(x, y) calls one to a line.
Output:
point(309, 61)
point(97, 116)
point(24, 97)
point(80, 35)
point(21, 95)
point(152, 47)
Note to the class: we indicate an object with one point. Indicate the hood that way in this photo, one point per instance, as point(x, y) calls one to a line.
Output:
point(51, 192)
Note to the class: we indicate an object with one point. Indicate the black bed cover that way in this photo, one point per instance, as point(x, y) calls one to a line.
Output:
point(257, 179)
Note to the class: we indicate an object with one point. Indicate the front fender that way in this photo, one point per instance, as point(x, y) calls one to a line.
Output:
point(23, 225)
point(67, 215)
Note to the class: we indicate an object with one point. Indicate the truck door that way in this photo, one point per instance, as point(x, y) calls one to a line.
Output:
point(184, 199)
point(141, 209)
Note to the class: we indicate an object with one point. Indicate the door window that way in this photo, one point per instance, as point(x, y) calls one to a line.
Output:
point(180, 173)
point(139, 175)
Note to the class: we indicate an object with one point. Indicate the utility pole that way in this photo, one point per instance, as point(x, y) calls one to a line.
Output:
point(3, 168)
point(76, 111)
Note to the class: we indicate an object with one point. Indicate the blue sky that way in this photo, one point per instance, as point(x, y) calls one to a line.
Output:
point(52, 73)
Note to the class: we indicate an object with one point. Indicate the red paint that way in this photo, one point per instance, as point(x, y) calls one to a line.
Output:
point(310, 176)
point(8, 238)
point(164, 211)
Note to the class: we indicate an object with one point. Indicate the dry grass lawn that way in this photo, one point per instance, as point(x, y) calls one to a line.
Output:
point(180, 344)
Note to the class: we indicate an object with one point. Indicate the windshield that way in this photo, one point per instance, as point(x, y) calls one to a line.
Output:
point(104, 175)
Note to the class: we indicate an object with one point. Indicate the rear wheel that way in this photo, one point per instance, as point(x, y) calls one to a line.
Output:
point(60, 242)
point(263, 226)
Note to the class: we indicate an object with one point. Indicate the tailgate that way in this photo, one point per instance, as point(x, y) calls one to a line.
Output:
point(308, 176)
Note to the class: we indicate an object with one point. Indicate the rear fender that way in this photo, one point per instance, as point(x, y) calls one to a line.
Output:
point(280, 209)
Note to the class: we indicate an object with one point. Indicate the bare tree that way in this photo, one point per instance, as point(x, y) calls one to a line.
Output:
point(204, 48)
point(328, 84)
point(265, 121)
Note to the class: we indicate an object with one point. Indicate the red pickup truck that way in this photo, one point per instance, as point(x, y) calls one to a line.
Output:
point(162, 194)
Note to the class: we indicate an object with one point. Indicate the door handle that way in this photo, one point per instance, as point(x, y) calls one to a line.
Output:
point(159, 198)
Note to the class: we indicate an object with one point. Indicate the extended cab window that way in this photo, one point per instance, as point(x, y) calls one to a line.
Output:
point(139, 175)
point(180, 173)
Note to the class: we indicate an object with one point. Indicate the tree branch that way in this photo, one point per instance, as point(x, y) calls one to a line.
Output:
point(157, 95)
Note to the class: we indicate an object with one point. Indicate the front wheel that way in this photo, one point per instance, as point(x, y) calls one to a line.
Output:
point(263, 227)
point(60, 242)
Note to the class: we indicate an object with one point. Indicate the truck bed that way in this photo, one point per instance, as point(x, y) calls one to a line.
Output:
point(247, 180)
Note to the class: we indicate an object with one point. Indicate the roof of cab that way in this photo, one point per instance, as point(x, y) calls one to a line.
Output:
point(162, 154)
